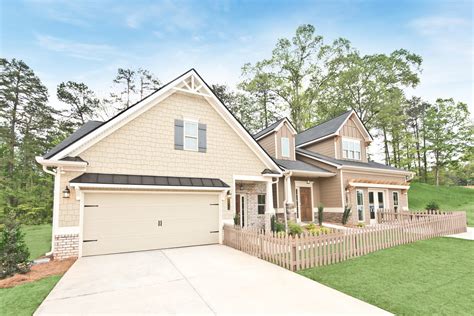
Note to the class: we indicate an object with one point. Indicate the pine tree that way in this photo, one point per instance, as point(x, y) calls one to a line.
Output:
point(14, 253)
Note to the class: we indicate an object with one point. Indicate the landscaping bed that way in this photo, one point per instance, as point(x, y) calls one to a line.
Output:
point(37, 272)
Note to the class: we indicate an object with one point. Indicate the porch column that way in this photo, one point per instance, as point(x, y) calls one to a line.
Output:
point(269, 210)
point(289, 193)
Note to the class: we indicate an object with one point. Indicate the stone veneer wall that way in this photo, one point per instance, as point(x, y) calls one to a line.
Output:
point(251, 191)
point(66, 246)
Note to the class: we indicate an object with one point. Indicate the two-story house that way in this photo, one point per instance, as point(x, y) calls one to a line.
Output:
point(328, 165)
point(172, 168)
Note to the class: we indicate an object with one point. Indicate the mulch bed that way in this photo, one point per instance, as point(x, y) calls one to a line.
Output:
point(37, 272)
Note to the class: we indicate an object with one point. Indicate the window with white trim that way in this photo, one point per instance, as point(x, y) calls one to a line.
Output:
point(190, 135)
point(351, 149)
point(360, 205)
point(395, 201)
point(261, 203)
point(285, 147)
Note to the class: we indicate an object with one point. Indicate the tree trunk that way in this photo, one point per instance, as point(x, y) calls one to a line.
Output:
point(385, 144)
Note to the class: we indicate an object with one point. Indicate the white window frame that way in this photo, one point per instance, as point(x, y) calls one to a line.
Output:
point(190, 121)
point(285, 145)
point(352, 154)
point(259, 204)
point(396, 207)
point(362, 205)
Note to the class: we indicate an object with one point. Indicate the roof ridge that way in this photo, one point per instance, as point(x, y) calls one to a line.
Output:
point(326, 121)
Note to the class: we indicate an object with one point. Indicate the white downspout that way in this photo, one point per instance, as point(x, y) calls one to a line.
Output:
point(288, 196)
point(55, 202)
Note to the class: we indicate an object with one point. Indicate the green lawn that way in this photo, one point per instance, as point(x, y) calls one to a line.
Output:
point(24, 299)
point(38, 239)
point(448, 198)
point(430, 277)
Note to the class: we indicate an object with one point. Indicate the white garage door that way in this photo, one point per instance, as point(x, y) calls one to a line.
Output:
point(123, 222)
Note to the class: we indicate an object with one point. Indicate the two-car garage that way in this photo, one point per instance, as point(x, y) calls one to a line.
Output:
point(116, 222)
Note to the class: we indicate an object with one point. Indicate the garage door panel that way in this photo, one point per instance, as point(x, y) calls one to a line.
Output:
point(129, 222)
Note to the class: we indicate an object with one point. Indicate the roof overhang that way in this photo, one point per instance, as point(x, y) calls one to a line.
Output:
point(311, 173)
point(378, 170)
point(144, 187)
point(378, 185)
point(277, 128)
point(59, 163)
point(320, 160)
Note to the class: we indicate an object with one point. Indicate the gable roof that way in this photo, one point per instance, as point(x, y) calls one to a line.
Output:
point(78, 134)
point(274, 127)
point(324, 129)
point(350, 163)
point(189, 82)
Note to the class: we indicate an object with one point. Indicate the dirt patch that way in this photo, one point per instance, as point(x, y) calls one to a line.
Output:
point(37, 272)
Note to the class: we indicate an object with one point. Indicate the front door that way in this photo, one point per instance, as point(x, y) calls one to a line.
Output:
point(376, 203)
point(305, 204)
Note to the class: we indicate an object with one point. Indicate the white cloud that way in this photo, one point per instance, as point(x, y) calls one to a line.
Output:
point(80, 50)
point(435, 24)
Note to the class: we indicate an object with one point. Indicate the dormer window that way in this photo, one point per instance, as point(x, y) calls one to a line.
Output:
point(285, 147)
point(351, 149)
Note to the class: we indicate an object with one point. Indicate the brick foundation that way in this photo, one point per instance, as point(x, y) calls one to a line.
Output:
point(66, 246)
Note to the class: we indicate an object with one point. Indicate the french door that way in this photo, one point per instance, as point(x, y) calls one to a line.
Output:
point(376, 203)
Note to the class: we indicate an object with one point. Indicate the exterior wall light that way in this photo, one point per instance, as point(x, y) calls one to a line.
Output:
point(66, 193)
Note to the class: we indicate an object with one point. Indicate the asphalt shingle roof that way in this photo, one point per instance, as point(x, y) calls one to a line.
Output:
point(343, 162)
point(321, 130)
point(268, 129)
point(107, 178)
point(299, 165)
point(78, 134)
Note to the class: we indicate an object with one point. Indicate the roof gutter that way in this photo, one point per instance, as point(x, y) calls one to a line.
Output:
point(144, 187)
point(59, 163)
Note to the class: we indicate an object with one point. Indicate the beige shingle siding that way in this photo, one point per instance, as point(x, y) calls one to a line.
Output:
point(145, 146)
point(68, 208)
point(325, 147)
point(268, 143)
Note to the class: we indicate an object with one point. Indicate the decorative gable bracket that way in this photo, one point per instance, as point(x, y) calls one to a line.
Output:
point(192, 85)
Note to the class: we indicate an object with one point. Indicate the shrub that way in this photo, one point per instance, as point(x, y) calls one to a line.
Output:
point(311, 226)
point(320, 214)
point(317, 230)
point(13, 251)
point(275, 225)
point(360, 225)
point(279, 227)
point(237, 220)
point(294, 229)
point(346, 215)
point(432, 206)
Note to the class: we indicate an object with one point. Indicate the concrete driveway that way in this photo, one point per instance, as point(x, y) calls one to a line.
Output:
point(196, 280)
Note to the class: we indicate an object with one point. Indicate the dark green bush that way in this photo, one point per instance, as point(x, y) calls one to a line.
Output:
point(432, 206)
point(320, 214)
point(275, 225)
point(346, 214)
point(237, 220)
point(14, 253)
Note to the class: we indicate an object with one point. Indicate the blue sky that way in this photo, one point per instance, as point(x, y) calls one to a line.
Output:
point(88, 40)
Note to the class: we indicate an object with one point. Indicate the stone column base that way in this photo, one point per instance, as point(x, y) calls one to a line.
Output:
point(66, 246)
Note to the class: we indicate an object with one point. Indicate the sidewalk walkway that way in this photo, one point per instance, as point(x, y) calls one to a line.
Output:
point(469, 235)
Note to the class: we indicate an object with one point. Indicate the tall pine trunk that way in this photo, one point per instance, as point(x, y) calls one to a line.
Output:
point(385, 144)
